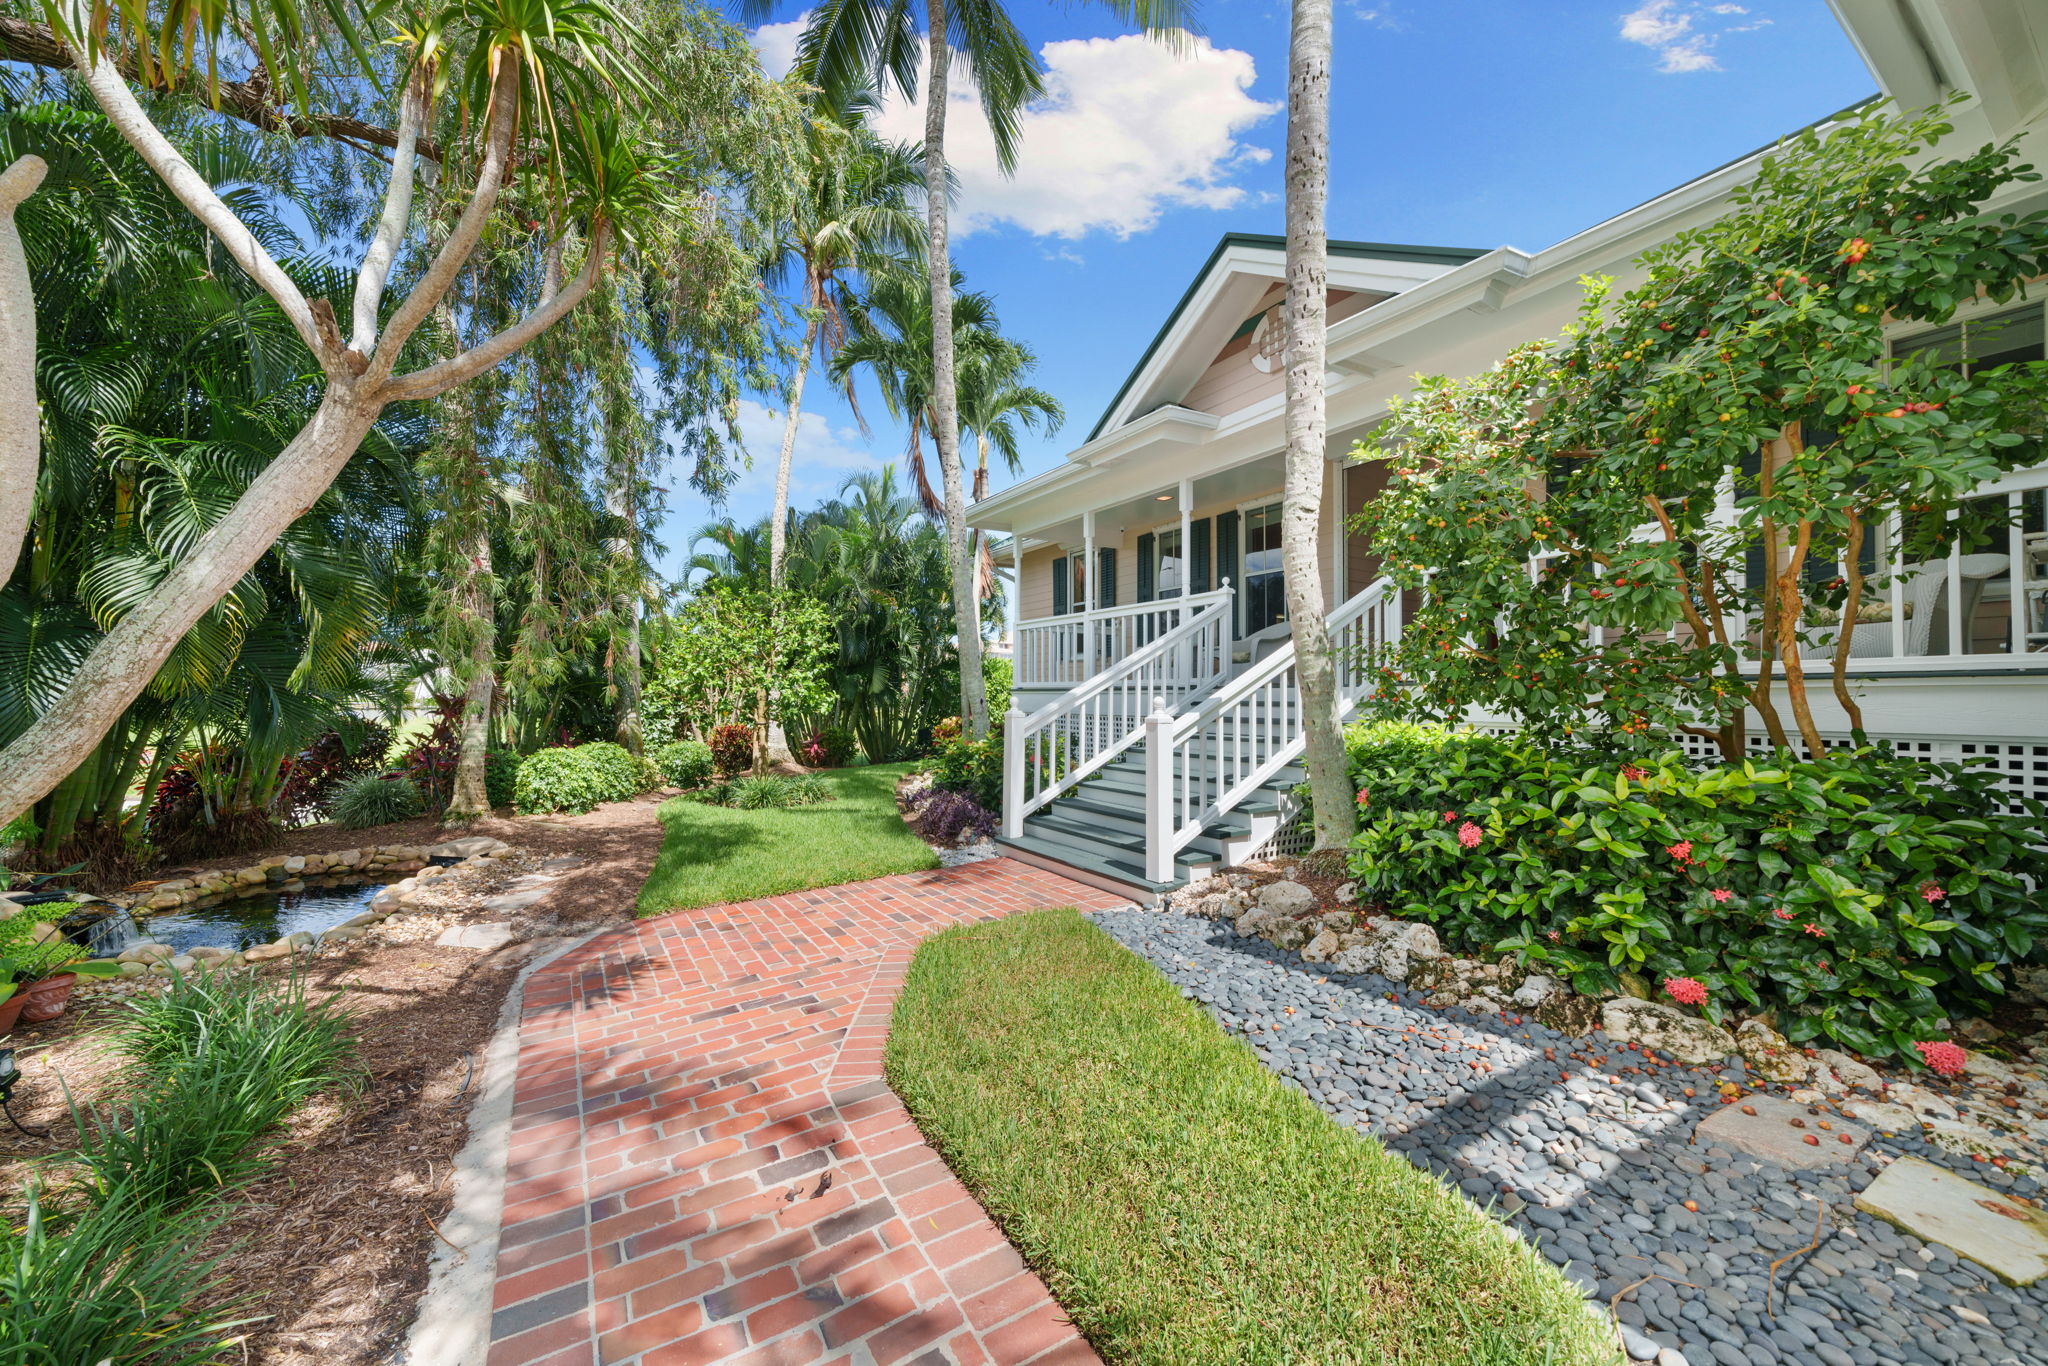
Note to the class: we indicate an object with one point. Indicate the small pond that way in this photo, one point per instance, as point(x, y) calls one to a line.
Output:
point(233, 923)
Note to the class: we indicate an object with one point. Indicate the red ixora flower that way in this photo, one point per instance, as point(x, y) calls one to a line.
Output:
point(1930, 893)
point(1450, 816)
point(1470, 835)
point(1943, 1056)
point(1632, 773)
point(1814, 930)
point(1682, 851)
point(1687, 991)
point(1720, 894)
point(1555, 936)
point(1782, 915)
point(1364, 798)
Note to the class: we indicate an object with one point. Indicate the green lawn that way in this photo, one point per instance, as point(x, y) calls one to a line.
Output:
point(713, 853)
point(1184, 1206)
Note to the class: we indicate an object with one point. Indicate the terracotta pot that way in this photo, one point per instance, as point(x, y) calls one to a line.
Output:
point(45, 1000)
point(10, 1009)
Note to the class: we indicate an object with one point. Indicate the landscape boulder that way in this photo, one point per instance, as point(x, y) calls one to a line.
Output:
point(1768, 1054)
point(1286, 897)
point(1652, 1024)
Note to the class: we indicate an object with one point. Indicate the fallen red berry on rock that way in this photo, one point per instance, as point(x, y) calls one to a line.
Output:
point(1814, 1139)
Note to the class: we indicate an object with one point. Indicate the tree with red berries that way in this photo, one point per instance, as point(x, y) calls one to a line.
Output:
point(1609, 526)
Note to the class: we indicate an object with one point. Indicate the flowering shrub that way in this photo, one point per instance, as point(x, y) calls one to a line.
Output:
point(973, 768)
point(944, 817)
point(828, 747)
point(1774, 884)
point(576, 779)
point(732, 749)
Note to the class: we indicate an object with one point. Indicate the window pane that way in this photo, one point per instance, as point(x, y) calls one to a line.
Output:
point(1265, 597)
point(1170, 578)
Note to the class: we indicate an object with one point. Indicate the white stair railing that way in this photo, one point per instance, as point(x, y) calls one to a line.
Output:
point(1074, 647)
point(1201, 764)
point(1070, 737)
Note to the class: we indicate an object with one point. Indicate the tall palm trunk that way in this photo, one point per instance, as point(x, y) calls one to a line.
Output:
point(778, 530)
point(945, 401)
point(1308, 166)
point(20, 434)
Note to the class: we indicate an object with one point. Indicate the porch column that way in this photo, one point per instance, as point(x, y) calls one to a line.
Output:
point(1187, 537)
point(1088, 591)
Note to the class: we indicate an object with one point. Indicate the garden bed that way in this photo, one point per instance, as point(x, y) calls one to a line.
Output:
point(1179, 1201)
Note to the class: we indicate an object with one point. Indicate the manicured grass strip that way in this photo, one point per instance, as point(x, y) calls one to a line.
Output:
point(1183, 1205)
point(715, 853)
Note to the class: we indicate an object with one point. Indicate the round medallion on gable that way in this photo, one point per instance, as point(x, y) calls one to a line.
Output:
point(1269, 341)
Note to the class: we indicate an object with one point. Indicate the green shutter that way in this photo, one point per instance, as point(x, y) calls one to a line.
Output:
point(1226, 562)
point(1105, 576)
point(1148, 565)
point(1059, 586)
point(1198, 556)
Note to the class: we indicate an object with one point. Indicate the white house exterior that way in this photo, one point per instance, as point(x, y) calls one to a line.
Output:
point(1123, 551)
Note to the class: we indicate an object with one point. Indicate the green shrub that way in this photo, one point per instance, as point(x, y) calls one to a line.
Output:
point(222, 1058)
point(501, 777)
point(576, 779)
point(972, 767)
point(113, 1283)
point(762, 792)
point(1860, 896)
point(999, 678)
point(732, 749)
point(684, 763)
point(375, 799)
point(828, 747)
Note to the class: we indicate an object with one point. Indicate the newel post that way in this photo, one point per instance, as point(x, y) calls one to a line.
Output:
point(1013, 773)
point(1159, 850)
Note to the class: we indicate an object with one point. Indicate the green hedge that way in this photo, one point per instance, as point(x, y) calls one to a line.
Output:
point(577, 779)
point(1861, 896)
point(684, 763)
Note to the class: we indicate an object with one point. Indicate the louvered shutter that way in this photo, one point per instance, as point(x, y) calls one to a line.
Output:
point(1198, 556)
point(1226, 560)
point(1105, 576)
point(1148, 565)
point(1059, 586)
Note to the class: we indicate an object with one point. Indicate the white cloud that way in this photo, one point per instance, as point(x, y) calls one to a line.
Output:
point(1128, 129)
point(1684, 33)
point(824, 458)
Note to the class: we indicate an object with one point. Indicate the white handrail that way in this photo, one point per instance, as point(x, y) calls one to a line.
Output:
point(1069, 738)
point(1073, 647)
point(1250, 729)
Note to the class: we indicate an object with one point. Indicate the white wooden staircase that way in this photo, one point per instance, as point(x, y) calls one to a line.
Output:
point(1172, 760)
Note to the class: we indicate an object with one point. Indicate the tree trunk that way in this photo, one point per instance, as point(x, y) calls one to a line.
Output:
point(1852, 572)
point(1308, 166)
point(945, 401)
point(129, 655)
point(20, 423)
point(471, 796)
point(778, 529)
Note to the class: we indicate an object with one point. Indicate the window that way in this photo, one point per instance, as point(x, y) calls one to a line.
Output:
point(1265, 590)
point(1170, 576)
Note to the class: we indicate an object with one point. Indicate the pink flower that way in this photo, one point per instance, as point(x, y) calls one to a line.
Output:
point(1814, 930)
point(1469, 835)
point(1364, 798)
point(1720, 894)
point(1631, 772)
point(1555, 936)
point(1450, 816)
point(1931, 893)
point(1687, 991)
point(1782, 915)
point(1682, 851)
point(1943, 1056)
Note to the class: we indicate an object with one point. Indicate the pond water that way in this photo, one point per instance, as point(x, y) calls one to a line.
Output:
point(235, 923)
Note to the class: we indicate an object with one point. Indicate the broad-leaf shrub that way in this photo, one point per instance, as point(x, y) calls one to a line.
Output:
point(375, 799)
point(944, 818)
point(1860, 896)
point(501, 777)
point(971, 767)
point(732, 748)
point(828, 747)
point(685, 763)
point(576, 779)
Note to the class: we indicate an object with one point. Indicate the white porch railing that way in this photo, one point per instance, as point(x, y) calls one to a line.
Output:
point(1202, 764)
point(1063, 742)
point(1074, 648)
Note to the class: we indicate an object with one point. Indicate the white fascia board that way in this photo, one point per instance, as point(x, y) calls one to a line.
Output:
point(1158, 431)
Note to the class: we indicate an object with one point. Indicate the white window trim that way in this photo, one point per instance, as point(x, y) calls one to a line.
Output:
point(1181, 590)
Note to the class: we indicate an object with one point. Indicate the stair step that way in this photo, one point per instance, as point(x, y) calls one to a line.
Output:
point(1127, 871)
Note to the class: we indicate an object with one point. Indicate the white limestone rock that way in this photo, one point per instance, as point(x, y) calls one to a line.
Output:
point(1687, 1038)
point(1769, 1055)
point(1536, 988)
point(1286, 897)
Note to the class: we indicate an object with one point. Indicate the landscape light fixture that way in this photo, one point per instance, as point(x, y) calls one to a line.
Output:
point(10, 1074)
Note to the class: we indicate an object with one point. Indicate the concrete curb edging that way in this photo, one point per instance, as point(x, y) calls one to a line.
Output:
point(453, 1324)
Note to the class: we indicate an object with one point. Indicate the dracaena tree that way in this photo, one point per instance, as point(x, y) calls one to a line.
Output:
point(1647, 525)
point(502, 93)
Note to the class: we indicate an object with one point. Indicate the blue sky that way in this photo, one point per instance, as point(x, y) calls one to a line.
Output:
point(1474, 123)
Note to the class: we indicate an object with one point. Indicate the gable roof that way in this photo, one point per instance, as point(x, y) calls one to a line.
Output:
point(1445, 257)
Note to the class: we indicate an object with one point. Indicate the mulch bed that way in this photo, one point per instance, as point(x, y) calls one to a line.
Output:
point(332, 1248)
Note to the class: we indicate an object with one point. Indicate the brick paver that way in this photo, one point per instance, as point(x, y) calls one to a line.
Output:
point(706, 1165)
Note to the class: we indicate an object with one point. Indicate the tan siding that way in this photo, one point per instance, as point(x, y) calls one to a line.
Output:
point(1035, 597)
point(1231, 382)
point(1361, 566)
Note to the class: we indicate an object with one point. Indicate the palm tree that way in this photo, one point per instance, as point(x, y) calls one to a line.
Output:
point(857, 43)
point(852, 216)
point(994, 400)
point(1308, 174)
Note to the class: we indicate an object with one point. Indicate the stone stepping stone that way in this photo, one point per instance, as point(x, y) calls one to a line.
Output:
point(1935, 1205)
point(495, 935)
point(507, 902)
point(466, 846)
point(1771, 1133)
point(561, 862)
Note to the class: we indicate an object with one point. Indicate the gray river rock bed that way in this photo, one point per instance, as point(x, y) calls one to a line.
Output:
point(1597, 1164)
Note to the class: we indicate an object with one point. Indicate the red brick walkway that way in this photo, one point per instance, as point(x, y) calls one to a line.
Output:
point(706, 1165)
